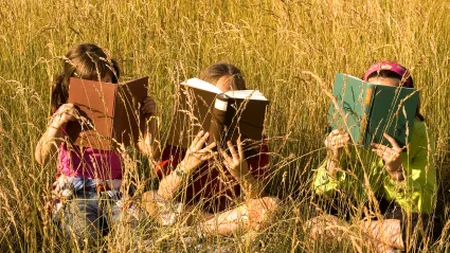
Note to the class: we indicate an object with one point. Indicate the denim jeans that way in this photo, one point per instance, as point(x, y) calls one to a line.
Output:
point(89, 215)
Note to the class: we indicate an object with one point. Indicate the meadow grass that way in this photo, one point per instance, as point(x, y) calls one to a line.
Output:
point(275, 43)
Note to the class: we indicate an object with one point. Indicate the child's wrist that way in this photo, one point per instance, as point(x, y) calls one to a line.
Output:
point(56, 126)
point(396, 174)
point(243, 175)
point(56, 122)
point(186, 167)
point(333, 166)
point(181, 172)
point(334, 154)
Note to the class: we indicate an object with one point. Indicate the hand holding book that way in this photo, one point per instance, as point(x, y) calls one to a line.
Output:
point(65, 114)
point(335, 142)
point(235, 164)
point(391, 157)
point(197, 153)
point(149, 140)
point(338, 139)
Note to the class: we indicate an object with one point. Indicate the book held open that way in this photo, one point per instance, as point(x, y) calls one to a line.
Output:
point(367, 110)
point(110, 112)
point(201, 105)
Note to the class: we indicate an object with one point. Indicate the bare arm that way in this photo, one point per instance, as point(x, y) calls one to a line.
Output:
point(391, 157)
point(51, 139)
point(170, 184)
point(238, 168)
point(150, 143)
point(196, 154)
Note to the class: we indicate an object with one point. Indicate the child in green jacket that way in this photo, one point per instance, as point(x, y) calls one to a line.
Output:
point(399, 182)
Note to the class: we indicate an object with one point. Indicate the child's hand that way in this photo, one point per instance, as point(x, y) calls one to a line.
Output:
point(196, 154)
point(390, 156)
point(236, 164)
point(335, 141)
point(149, 106)
point(64, 114)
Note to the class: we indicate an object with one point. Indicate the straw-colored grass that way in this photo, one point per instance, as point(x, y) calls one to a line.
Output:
point(275, 43)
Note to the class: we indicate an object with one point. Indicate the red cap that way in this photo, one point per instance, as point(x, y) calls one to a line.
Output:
point(394, 67)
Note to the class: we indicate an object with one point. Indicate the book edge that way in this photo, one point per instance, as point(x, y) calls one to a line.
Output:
point(201, 85)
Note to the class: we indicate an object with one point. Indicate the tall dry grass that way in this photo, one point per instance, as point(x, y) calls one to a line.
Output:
point(273, 42)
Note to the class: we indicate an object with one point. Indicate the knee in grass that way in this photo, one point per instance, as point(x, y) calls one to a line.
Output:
point(148, 196)
point(325, 225)
point(267, 203)
point(271, 204)
point(260, 209)
point(148, 202)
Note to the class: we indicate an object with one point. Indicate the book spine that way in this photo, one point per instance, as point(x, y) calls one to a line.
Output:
point(368, 98)
point(218, 114)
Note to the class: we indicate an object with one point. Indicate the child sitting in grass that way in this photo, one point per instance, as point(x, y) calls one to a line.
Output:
point(216, 189)
point(88, 179)
point(402, 181)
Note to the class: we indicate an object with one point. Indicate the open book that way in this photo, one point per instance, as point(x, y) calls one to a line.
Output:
point(366, 110)
point(110, 112)
point(201, 105)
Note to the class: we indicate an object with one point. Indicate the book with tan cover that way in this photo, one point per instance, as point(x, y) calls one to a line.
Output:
point(201, 105)
point(109, 112)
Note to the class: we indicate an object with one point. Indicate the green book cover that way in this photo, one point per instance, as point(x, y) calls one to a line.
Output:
point(366, 110)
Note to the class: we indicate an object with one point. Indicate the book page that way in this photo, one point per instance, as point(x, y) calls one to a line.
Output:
point(246, 94)
point(201, 85)
point(237, 94)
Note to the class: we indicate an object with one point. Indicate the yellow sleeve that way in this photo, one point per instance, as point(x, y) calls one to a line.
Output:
point(417, 193)
point(324, 183)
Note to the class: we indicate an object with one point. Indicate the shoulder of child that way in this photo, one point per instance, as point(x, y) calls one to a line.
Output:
point(419, 129)
point(421, 137)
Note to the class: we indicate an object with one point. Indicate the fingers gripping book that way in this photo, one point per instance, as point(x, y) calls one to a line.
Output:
point(366, 110)
point(200, 105)
point(109, 113)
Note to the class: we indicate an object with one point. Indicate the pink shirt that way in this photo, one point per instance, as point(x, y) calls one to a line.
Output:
point(88, 162)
